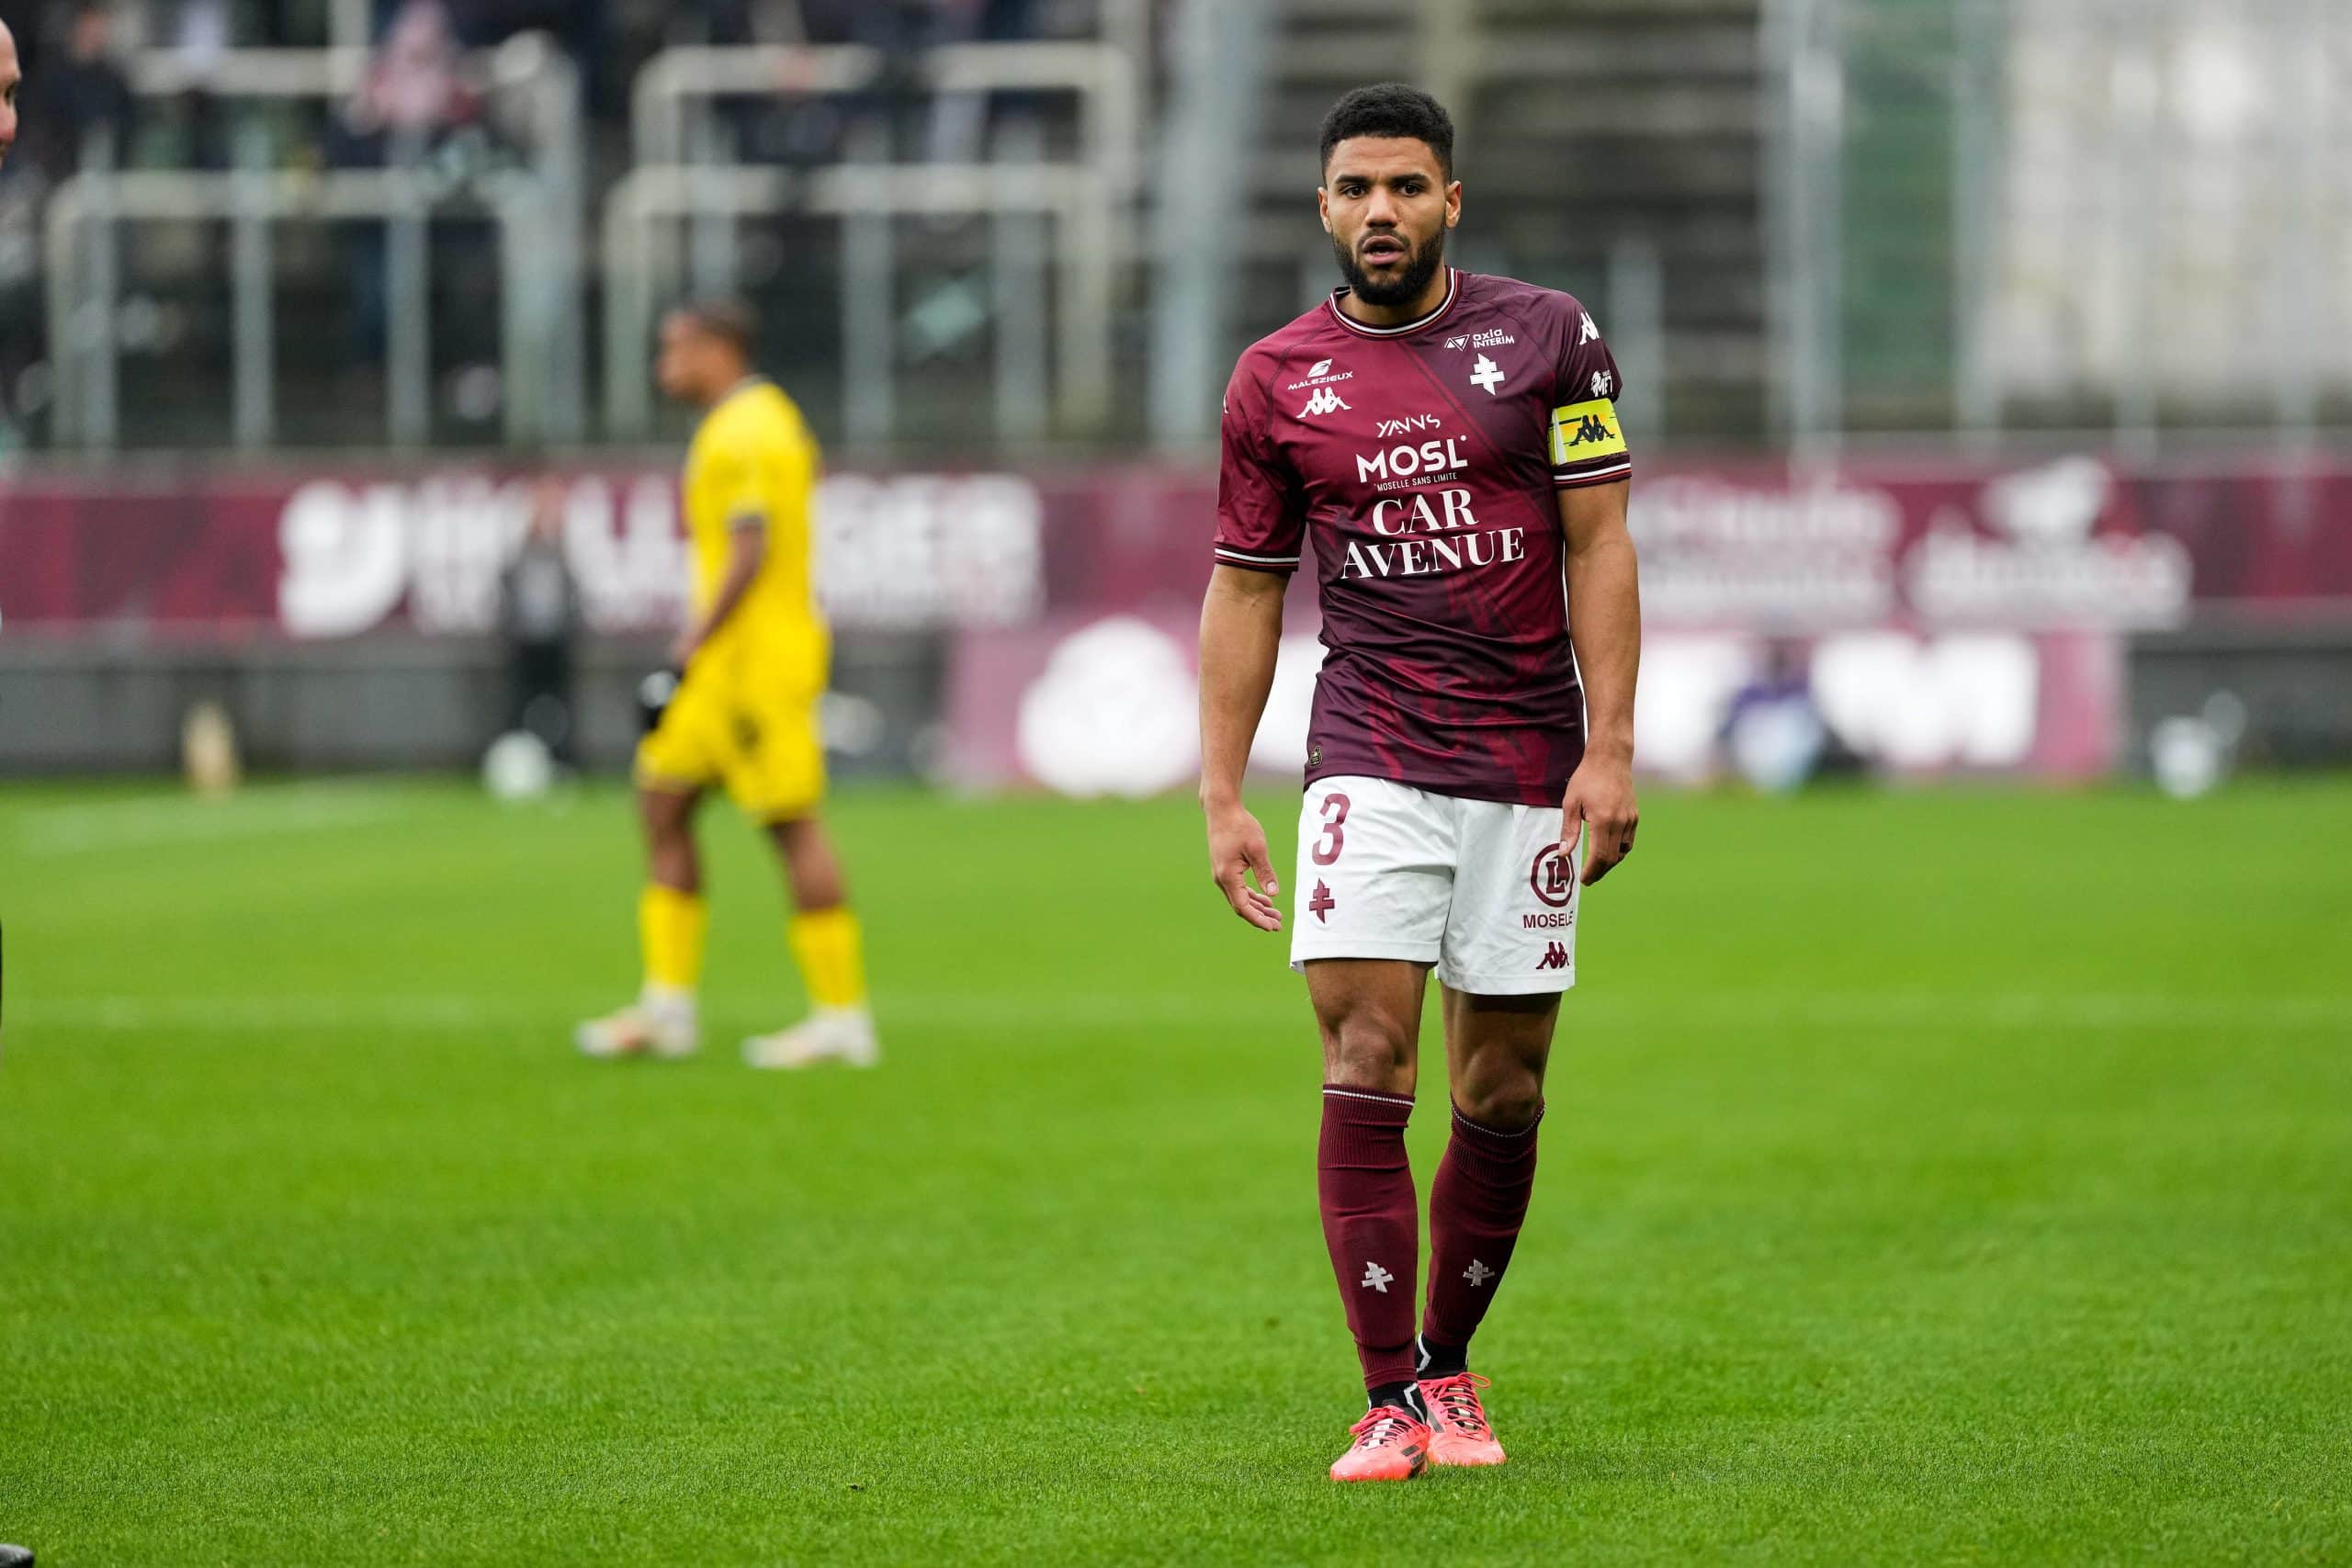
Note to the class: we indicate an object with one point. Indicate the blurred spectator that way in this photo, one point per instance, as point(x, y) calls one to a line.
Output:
point(199, 37)
point(201, 33)
point(412, 86)
point(81, 96)
point(936, 129)
point(959, 122)
point(412, 96)
point(581, 28)
point(539, 614)
point(1772, 732)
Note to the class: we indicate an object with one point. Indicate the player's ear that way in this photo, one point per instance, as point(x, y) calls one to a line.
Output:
point(1452, 203)
point(1323, 205)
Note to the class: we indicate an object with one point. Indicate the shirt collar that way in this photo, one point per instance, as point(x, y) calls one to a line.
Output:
point(1452, 292)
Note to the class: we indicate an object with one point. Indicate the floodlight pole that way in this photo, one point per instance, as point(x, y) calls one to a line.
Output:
point(1211, 147)
point(1018, 253)
point(1803, 40)
point(1976, 214)
point(253, 328)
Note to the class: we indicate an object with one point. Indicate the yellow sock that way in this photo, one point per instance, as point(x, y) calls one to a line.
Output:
point(669, 926)
point(831, 948)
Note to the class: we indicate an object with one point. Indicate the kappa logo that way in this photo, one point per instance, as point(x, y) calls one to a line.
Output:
point(1591, 331)
point(1582, 432)
point(1325, 401)
point(1555, 957)
point(1591, 430)
point(1488, 374)
point(1320, 903)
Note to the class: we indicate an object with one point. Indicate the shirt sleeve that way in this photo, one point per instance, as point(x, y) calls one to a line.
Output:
point(1260, 520)
point(1587, 443)
point(792, 474)
point(741, 480)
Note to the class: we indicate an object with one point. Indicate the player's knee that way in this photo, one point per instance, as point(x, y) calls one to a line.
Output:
point(1506, 1098)
point(1369, 1051)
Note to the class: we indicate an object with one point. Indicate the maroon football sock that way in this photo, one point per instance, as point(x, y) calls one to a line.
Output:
point(1477, 1206)
point(1371, 1224)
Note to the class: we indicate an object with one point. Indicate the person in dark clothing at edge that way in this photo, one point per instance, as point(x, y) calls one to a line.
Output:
point(538, 613)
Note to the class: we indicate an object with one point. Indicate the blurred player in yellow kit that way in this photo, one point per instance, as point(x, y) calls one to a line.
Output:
point(753, 664)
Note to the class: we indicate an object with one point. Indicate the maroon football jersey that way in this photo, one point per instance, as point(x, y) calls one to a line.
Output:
point(1425, 459)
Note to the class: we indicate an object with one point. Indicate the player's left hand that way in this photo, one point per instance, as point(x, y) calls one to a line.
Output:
point(1601, 797)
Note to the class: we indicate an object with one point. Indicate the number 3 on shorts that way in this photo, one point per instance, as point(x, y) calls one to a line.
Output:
point(1334, 839)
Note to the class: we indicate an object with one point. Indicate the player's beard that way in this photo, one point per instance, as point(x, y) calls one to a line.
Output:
point(1402, 284)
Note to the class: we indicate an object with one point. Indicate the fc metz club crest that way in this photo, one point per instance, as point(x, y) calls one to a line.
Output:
point(1553, 877)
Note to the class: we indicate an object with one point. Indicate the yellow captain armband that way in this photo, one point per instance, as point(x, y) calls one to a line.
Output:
point(1584, 431)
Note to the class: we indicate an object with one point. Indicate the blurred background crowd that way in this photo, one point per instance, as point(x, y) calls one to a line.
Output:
point(1989, 361)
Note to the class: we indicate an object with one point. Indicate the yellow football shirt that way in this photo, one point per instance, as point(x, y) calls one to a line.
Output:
point(754, 465)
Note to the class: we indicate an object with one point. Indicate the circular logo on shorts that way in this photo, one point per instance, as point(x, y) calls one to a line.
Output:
point(1554, 876)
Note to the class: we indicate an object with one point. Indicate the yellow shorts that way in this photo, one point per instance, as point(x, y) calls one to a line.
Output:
point(746, 728)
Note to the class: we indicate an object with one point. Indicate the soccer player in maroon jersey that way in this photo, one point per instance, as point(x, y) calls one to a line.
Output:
point(1447, 445)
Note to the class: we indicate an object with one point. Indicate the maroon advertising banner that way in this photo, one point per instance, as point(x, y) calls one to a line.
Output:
point(1947, 613)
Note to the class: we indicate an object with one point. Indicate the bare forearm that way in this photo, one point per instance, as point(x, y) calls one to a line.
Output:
point(1605, 624)
point(1241, 628)
point(742, 569)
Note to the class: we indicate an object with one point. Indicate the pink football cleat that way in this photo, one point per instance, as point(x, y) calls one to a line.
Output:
point(1458, 1429)
point(1390, 1445)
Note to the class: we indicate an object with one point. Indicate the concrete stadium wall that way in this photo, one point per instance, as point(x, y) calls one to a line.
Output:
point(2290, 686)
point(82, 706)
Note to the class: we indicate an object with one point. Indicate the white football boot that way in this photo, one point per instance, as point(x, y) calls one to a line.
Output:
point(829, 1034)
point(657, 1026)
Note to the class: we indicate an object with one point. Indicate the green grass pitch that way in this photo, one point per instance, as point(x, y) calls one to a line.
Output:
point(1930, 1178)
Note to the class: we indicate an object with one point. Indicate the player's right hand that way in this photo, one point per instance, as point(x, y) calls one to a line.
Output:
point(1237, 850)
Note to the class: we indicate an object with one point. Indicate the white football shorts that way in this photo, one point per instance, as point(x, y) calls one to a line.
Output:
point(1479, 889)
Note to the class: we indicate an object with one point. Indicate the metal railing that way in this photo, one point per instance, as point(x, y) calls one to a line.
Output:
point(83, 242)
point(528, 66)
point(683, 177)
point(1103, 77)
point(250, 72)
point(638, 273)
point(539, 218)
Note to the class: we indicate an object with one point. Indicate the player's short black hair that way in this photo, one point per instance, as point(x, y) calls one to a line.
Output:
point(1390, 108)
point(731, 317)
